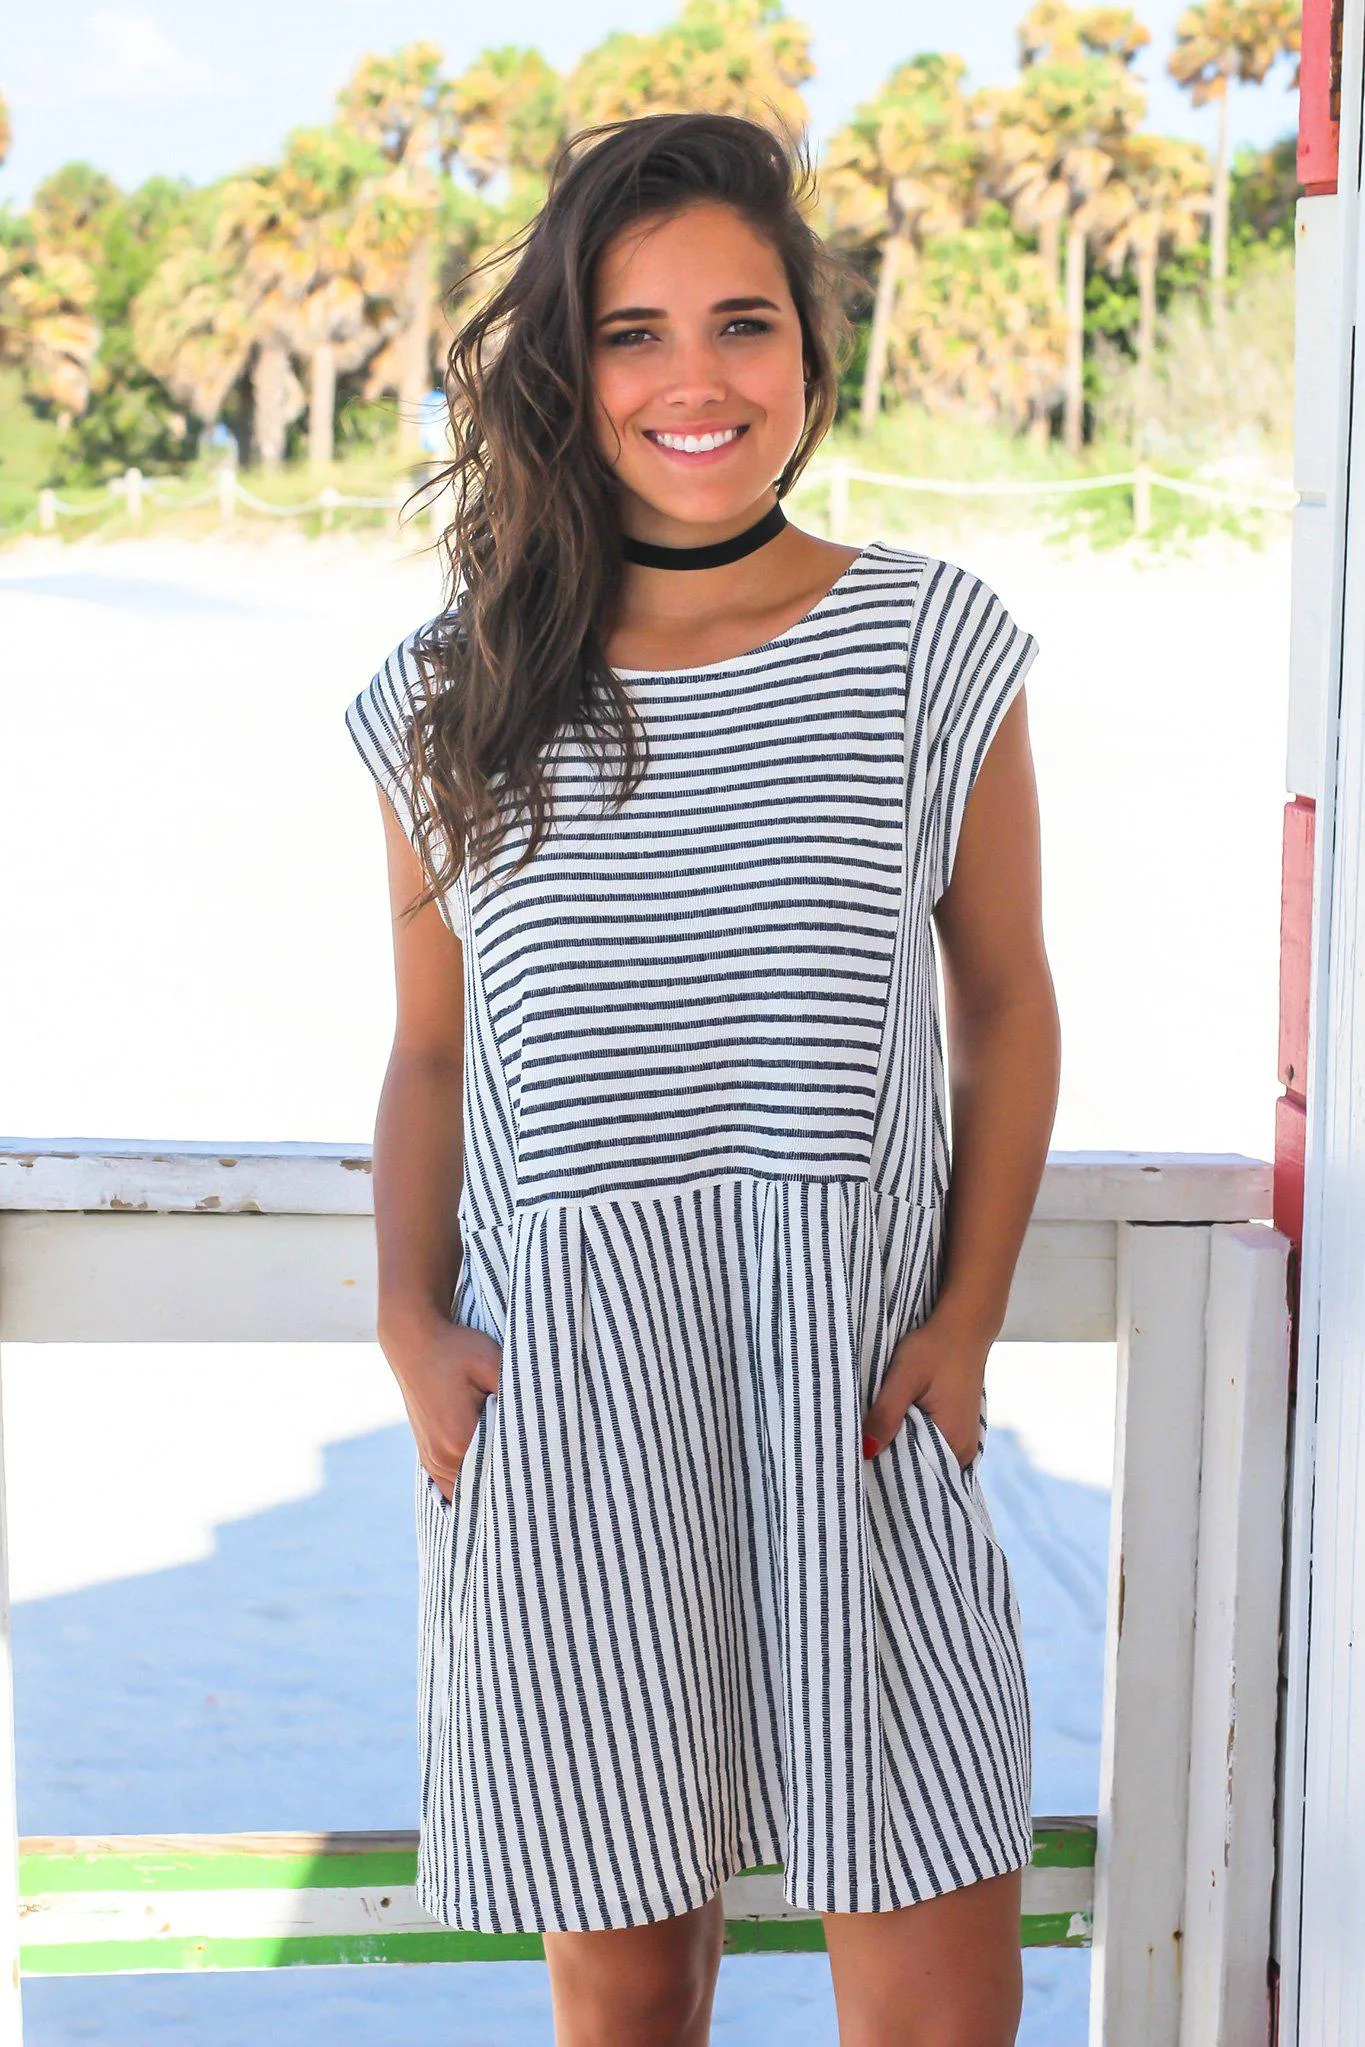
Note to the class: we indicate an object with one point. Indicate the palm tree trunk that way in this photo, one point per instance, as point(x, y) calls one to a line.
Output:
point(1222, 206)
point(1073, 414)
point(1050, 250)
point(414, 371)
point(269, 378)
point(874, 375)
point(322, 399)
point(1146, 337)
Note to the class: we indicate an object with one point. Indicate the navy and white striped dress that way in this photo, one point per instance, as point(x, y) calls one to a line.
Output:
point(673, 1624)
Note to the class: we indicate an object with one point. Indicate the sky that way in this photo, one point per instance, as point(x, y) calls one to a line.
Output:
point(168, 86)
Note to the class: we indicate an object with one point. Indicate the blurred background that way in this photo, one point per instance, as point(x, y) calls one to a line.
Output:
point(229, 262)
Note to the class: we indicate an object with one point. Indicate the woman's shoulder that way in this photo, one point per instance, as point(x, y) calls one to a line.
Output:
point(955, 613)
point(409, 676)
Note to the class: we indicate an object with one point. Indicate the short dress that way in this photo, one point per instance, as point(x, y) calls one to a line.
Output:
point(672, 1623)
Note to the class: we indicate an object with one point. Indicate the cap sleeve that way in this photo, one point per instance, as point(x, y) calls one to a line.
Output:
point(378, 720)
point(974, 658)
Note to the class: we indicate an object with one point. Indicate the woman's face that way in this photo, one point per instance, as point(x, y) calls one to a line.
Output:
point(695, 335)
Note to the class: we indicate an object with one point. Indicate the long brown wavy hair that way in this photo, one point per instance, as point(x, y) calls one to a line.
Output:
point(532, 555)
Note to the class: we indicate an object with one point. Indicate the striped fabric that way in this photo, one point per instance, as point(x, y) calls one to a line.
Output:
point(672, 1623)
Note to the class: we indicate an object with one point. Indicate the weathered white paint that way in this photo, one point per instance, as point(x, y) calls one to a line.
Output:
point(1322, 1890)
point(59, 1174)
point(55, 1918)
point(1316, 317)
point(1317, 312)
point(1310, 601)
point(153, 1278)
point(1230, 1864)
point(132, 1177)
point(1163, 1276)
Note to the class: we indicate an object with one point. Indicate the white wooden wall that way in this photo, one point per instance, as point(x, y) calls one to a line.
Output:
point(1321, 1916)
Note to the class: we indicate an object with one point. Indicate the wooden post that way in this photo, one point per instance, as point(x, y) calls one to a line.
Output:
point(132, 491)
point(11, 1996)
point(47, 511)
point(1230, 1865)
point(227, 493)
point(1142, 497)
point(329, 499)
point(839, 488)
point(1161, 1296)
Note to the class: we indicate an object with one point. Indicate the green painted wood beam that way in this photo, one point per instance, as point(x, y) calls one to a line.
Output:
point(263, 1901)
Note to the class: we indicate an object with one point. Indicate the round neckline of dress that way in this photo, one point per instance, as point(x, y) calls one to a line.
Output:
point(731, 660)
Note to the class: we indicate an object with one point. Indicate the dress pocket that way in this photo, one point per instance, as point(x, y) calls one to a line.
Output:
point(436, 1501)
point(947, 1454)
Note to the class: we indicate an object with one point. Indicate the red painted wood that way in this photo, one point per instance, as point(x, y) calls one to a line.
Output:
point(1296, 919)
point(1291, 1119)
point(1320, 94)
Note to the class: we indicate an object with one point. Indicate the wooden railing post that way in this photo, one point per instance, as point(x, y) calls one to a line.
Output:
point(1162, 1280)
point(1230, 1865)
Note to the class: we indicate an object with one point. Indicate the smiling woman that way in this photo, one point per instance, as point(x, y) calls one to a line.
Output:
point(694, 1362)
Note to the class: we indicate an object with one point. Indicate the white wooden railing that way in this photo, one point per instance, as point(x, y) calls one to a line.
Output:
point(1170, 1256)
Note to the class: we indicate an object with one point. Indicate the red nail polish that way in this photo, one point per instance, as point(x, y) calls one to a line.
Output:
point(870, 1446)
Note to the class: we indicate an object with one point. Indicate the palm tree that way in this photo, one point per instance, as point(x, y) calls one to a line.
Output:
point(403, 106)
point(192, 325)
point(1163, 187)
point(978, 330)
point(1056, 138)
point(903, 169)
point(508, 111)
point(324, 184)
point(49, 288)
point(723, 56)
point(1215, 44)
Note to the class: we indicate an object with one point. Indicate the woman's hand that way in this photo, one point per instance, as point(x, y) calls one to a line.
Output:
point(446, 1371)
point(940, 1367)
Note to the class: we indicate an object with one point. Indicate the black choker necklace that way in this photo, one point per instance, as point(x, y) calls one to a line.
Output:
point(648, 555)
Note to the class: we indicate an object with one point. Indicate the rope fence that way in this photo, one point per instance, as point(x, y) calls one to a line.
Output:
point(1141, 480)
point(133, 492)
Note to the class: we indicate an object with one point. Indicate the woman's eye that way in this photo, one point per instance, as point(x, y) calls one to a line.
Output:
point(624, 334)
point(746, 320)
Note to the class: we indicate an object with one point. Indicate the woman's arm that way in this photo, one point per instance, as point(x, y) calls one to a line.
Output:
point(1004, 1057)
point(445, 1369)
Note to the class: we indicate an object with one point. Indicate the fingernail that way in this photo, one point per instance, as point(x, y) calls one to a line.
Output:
point(870, 1446)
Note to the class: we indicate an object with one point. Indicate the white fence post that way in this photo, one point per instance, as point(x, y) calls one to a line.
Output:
point(47, 511)
point(1161, 1296)
point(839, 497)
point(227, 493)
point(1142, 497)
point(132, 491)
point(1230, 1871)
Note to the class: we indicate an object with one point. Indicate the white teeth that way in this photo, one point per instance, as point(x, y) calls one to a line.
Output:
point(697, 444)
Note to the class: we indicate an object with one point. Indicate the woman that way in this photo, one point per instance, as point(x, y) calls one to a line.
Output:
point(693, 1360)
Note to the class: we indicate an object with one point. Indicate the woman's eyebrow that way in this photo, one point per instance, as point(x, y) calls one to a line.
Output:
point(741, 305)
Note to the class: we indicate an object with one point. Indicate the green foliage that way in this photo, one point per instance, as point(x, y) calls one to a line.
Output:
point(967, 178)
point(1265, 190)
